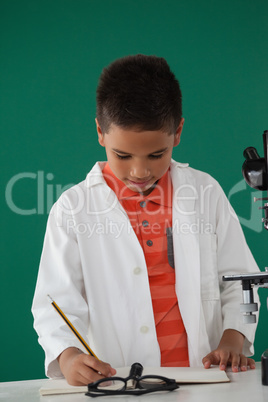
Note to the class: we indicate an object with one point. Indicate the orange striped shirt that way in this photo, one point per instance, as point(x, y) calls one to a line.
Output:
point(150, 217)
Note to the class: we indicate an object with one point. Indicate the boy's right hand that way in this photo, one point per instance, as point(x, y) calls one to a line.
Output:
point(81, 369)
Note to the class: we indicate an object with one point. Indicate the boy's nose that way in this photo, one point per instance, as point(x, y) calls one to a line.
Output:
point(140, 171)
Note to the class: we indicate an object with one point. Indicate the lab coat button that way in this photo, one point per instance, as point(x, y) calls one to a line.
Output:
point(144, 329)
point(137, 270)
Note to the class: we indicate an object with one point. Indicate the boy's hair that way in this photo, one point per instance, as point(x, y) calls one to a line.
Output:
point(139, 91)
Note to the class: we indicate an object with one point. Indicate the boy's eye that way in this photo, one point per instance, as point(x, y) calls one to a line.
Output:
point(152, 156)
point(122, 156)
point(156, 156)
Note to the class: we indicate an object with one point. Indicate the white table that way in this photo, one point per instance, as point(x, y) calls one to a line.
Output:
point(245, 386)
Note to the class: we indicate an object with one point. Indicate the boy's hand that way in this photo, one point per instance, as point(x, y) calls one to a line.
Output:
point(81, 369)
point(229, 352)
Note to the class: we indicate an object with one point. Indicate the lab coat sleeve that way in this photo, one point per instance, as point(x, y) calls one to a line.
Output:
point(233, 257)
point(60, 276)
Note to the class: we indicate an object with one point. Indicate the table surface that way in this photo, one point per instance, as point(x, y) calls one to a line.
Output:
point(243, 386)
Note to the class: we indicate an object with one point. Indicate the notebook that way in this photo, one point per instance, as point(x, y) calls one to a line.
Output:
point(182, 375)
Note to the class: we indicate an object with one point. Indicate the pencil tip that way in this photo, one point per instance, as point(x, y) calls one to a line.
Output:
point(50, 299)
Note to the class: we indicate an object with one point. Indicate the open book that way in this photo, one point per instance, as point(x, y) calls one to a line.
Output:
point(182, 375)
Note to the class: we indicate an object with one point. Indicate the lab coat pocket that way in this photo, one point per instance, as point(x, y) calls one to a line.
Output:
point(208, 267)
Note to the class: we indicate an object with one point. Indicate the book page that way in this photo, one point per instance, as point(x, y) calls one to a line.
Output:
point(189, 375)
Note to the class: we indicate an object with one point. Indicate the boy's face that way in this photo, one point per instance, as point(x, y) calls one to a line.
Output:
point(138, 158)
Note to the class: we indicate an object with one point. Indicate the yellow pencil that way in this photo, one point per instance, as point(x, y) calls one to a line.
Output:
point(70, 325)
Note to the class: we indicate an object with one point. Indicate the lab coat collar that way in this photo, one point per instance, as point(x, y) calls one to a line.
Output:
point(109, 200)
point(95, 177)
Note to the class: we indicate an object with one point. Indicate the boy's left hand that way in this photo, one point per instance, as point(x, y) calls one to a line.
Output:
point(229, 352)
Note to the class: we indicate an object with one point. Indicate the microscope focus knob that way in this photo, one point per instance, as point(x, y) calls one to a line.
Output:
point(249, 318)
point(248, 307)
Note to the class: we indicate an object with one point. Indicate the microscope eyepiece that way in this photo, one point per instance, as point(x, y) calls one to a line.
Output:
point(251, 153)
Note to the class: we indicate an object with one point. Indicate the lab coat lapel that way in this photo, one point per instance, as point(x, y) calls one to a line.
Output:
point(186, 254)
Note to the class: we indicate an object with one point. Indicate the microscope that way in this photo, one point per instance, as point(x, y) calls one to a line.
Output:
point(255, 172)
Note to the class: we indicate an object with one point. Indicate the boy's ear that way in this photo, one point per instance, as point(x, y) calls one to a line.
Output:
point(100, 134)
point(177, 138)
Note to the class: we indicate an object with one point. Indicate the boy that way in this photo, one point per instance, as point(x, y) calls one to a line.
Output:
point(134, 255)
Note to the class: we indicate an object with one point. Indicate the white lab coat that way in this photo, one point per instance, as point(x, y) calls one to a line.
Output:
point(93, 266)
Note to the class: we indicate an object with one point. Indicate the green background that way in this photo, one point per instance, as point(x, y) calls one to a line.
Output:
point(51, 55)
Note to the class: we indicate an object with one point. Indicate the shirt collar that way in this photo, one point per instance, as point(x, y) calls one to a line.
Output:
point(161, 194)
